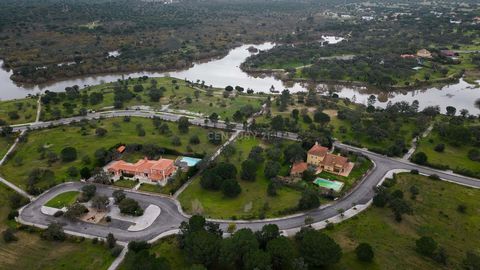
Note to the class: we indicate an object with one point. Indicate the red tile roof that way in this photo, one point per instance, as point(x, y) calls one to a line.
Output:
point(318, 150)
point(121, 148)
point(334, 160)
point(299, 167)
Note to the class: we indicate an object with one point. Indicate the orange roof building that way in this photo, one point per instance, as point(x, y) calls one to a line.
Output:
point(121, 149)
point(298, 168)
point(145, 169)
point(319, 157)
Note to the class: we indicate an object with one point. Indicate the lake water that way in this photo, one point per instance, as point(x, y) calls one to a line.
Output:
point(226, 71)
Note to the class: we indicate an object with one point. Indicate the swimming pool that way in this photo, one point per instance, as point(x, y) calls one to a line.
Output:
point(324, 183)
point(190, 161)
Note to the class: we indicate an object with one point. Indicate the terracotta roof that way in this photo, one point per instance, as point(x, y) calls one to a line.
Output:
point(121, 148)
point(299, 167)
point(334, 160)
point(142, 165)
point(318, 150)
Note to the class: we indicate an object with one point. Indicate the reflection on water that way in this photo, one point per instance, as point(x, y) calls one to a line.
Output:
point(226, 71)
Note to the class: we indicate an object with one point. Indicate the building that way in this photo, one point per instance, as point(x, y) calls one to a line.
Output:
point(298, 168)
point(448, 53)
point(144, 170)
point(319, 157)
point(408, 56)
point(424, 53)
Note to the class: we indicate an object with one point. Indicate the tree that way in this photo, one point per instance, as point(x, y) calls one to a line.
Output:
point(451, 111)
point(231, 188)
point(138, 88)
point(295, 113)
point(68, 154)
point(272, 168)
point(111, 241)
point(8, 235)
point(130, 207)
point(272, 189)
point(155, 94)
point(100, 132)
point(214, 118)
point(426, 246)
point(118, 195)
point(321, 118)
point(88, 191)
point(257, 260)
point(144, 260)
point(85, 173)
point(419, 158)
point(282, 252)
point(102, 177)
point(318, 249)
point(439, 147)
point(100, 202)
point(75, 211)
point(183, 124)
point(266, 234)
point(294, 152)
point(202, 247)
point(72, 171)
point(54, 232)
point(235, 248)
point(228, 151)
point(364, 252)
point(249, 170)
point(194, 139)
point(308, 200)
point(229, 88)
point(277, 123)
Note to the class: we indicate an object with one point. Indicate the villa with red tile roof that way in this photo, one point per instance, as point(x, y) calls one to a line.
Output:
point(145, 170)
point(320, 158)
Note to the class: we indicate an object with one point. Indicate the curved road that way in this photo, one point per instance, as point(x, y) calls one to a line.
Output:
point(172, 215)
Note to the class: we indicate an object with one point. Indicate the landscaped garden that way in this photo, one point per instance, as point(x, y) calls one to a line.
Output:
point(63, 200)
point(253, 200)
point(18, 111)
point(439, 209)
point(30, 251)
point(453, 144)
point(50, 156)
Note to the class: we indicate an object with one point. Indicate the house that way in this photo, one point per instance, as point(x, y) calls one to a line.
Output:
point(121, 149)
point(319, 157)
point(424, 53)
point(408, 56)
point(298, 169)
point(448, 53)
point(145, 170)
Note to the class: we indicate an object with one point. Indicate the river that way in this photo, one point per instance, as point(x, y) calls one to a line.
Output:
point(226, 71)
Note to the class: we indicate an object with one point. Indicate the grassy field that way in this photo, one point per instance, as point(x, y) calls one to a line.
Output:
point(5, 144)
point(167, 248)
point(251, 202)
point(63, 200)
point(86, 142)
point(32, 253)
point(175, 96)
point(434, 214)
point(125, 183)
point(455, 157)
point(26, 110)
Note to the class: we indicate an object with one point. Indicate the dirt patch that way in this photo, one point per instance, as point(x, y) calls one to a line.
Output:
point(331, 113)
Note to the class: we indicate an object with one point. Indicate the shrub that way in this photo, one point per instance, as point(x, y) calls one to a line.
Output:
point(231, 188)
point(54, 232)
point(68, 154)
point(130, 207)
point(462, 208)
point(439, 147)
point(434, 177)
point(12, 214)
point(364, 252)
point(420, 158)
point(9, 235)
point(59, 213)
point(308, 200)
point(426, 246)
point(116, 251)
point(414, 171)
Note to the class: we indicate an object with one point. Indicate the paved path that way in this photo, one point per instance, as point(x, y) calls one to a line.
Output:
point(172, 215)
point(412, 149)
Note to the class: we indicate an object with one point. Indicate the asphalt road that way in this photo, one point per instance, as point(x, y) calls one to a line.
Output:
point(171, 216)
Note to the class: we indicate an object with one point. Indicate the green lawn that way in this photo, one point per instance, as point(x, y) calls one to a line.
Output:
point(250, 203)
point(86, 142)
point(63, 200)
point(455, 157)
point(26, 110)
point(435, 215)
point(5, 144)
point(32, 253)
point(167, 248)
point(175, 98)
point(125, 183)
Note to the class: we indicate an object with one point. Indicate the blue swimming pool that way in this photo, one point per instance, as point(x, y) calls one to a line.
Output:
point(190, 161)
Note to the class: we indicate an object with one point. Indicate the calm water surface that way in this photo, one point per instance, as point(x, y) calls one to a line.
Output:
point(226, 71)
